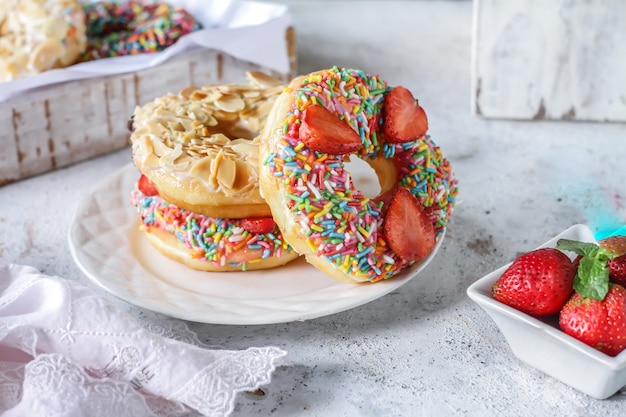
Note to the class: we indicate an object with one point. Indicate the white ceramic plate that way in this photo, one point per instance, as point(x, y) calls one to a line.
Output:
point(108, 247)
point(541, 344)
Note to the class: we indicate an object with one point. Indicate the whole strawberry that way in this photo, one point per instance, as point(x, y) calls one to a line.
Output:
point(617, 269)
point(538, 283)
point(598, 323)
point(616, 245)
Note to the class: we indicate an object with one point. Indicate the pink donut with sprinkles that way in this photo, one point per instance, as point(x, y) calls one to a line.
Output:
point(316, 124)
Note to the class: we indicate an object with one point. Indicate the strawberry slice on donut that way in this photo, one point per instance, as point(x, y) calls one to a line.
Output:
point(405, 119)
point(258, 224)
point(322, 131)
point(146, 186)
point(408, 230)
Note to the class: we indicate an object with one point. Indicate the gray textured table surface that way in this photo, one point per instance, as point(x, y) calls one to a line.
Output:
point(424, 349)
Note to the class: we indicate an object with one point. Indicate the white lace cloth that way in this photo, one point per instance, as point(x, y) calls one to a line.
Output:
point(65, 351)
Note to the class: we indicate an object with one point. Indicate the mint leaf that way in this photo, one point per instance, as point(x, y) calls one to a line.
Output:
point(592, 279)
point(579, 248)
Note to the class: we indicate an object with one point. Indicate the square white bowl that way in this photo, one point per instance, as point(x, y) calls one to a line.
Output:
point(542, 345)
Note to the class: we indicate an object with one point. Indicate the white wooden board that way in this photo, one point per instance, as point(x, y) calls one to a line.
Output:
point(556, 59)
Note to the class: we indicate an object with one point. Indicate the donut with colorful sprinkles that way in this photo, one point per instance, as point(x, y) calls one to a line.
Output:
point(316, 124)
point(207, 243)
point(133, 27)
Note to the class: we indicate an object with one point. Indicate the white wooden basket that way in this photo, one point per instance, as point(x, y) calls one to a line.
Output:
point(65, 123)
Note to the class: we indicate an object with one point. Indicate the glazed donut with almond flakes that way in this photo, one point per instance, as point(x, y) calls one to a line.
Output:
point(198, 195)
point(39, 35)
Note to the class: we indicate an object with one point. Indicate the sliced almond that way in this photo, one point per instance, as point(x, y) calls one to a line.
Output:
point(214, 168)
point(254, 124)
point(188, 91)
point(230, 103)
point(223, 116)
point(217, 139)
point(171, 161)
point(245, 148)
point(251, 94)
point(262, 80)
point(227, 173)
point(202, 169)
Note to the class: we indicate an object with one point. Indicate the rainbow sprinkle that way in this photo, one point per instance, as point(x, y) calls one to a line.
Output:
point(340, 223)
point(210, 239)
point(133, 27)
